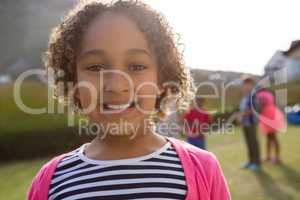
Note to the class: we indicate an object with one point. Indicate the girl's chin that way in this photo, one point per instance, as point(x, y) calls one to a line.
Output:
point(118, 130)
point(114, 119)
point(130, 115)
point(107, 126)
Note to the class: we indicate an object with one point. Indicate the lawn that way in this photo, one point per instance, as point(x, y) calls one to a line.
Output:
point(33, 95)
point(273, 183)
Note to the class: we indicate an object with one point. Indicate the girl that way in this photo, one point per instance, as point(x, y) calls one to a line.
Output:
point(271, 120)
point(125, 54)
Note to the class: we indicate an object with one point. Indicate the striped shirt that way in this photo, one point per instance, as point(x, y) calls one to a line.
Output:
point(158, 175)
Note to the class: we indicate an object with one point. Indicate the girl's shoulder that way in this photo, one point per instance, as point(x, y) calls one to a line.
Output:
point(201, 158)
point(51, 165)
point(203, 169)
point(39, 187)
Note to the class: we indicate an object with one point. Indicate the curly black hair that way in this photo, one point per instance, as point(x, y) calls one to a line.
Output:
point(65, 39)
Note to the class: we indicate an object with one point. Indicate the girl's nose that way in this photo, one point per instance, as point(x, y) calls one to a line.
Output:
point(117, 82)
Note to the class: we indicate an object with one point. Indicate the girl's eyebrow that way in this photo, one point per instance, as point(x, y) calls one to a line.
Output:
point(101, 52)
point(139, 51)
point(93, 52)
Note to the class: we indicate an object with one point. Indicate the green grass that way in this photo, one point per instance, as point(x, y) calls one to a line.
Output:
point(16, 178)
point(34, 95)
point(273, 183)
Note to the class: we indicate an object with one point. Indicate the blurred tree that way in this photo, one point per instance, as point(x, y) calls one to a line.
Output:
point(25, 27)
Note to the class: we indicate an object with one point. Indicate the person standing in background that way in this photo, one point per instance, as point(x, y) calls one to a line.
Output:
point(196, 123)
point(248, 121)
point(271, 121)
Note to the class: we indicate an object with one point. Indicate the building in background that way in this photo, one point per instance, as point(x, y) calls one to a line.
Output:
point(285, 63)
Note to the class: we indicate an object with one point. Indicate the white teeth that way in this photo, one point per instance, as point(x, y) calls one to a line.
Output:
point(118, 107)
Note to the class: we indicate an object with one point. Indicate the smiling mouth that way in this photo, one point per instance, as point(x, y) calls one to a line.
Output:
point(118, 107)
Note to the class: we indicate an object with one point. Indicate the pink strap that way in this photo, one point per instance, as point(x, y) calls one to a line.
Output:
point(39, 188)
point(188, 168)
point(48, 176)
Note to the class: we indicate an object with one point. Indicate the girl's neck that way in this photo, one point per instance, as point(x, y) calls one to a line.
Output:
point(123, 147)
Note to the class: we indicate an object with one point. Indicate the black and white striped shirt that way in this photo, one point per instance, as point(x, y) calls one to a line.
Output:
point(158, 175)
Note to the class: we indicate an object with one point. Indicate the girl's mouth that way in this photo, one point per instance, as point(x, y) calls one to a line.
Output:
point(118, 107)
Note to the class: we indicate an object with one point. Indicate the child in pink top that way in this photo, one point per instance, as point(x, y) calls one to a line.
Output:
point(120, 57)
point(271, 121)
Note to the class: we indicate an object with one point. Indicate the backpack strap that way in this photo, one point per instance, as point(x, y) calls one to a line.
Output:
point(188, 168)
point(40, 185)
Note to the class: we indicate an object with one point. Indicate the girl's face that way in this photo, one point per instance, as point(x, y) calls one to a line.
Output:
point(115, 59)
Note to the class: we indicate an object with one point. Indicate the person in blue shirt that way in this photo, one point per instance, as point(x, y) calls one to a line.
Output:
point(248, 121)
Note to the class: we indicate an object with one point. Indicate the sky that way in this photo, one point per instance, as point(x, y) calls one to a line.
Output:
point(232, 35)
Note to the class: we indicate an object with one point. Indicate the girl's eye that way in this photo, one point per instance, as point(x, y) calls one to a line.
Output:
point(138, 67)
point(96, 67)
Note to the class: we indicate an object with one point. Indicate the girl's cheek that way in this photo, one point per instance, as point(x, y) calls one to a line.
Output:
point(90, 85)
point(147, 98)
point(85, 97)
point(89, 95)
